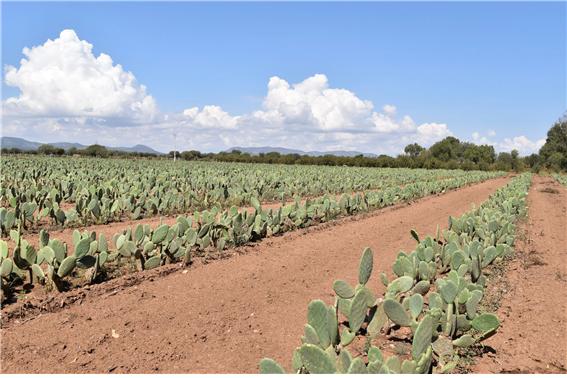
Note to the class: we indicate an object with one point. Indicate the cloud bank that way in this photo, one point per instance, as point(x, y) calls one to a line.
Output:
point(63, 78)
point(66, 93)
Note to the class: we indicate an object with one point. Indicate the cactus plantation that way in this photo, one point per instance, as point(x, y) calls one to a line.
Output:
point(72, 233)
point(207, 216)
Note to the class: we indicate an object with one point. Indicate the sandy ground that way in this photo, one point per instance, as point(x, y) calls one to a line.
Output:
point(533, 309)
point(224, 316)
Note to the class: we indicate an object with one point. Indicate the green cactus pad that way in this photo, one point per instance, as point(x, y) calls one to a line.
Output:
point(344, 361)
point(160, 234)
point(464, 341)
point(317, 318)
point(102, 244)
point(488, 255)
point(3, 249)
point(148, 247)
point(255, 203)
point(46, 254)
point(394, 364)
point(343, 289)
point(396, 313)
point(384, 279)
point(400, 285)
point(448, 290)
point(269, 366)
point(358, 309)
point(316, 360)
point(374, 354)
point(43, 238)
point(422, 337)
point(296, 363)
point(152, 262)
point(485, 323)
point(37, 272)
point(310, 335)
point(67, 266)
point(357, 367)
point(422, 287)
point(347, 337)
point(102, 257)
point(377, 322)
point(60, 250)
point(471, 304)
point(415, 305)
point(409, 367)
point(332, 325)
point(376, 367)
point(365, 268)
point(6, 267)
point(139, 233)
point(82, 247)
point(86, 262)
point(414, 235)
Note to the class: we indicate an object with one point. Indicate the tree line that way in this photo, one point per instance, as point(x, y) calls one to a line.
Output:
point(449, 153)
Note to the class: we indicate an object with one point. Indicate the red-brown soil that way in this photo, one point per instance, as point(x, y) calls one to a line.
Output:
point(533, 307)
point(224, 316)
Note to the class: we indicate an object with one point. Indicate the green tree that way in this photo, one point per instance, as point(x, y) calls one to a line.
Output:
point(413, 150)
point(554, 151)
point(447, 149)
point(504, 161)
point(96, 150)
point(48, 149)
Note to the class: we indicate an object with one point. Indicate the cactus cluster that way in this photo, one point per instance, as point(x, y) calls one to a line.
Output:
point(435, 295)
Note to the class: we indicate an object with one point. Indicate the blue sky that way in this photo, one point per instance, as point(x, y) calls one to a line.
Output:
point(494, 69)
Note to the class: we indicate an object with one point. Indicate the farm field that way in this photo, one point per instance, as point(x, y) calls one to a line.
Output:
point(283, 188)
point(60, 256)
point(267, 280)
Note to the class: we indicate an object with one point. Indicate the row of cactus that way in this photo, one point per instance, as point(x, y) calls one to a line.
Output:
point(81, 192)
point(561, 178)
point(436, 295)
point(145, 248)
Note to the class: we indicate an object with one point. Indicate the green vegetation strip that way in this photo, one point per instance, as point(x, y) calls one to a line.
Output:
point(435, 297)
point(84, 191)
point(562, 179)
point(94, 259)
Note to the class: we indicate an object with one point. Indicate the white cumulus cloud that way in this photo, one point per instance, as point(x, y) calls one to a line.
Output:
point(63, 78)
point(521, 143)
point(312, 103)
point(524, 145)
point(211, 116)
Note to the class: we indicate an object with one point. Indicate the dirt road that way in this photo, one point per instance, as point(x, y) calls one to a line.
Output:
point(227, 315)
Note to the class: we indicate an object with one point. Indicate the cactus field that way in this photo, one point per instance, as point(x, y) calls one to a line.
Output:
point(133, 266)
point(204, 204)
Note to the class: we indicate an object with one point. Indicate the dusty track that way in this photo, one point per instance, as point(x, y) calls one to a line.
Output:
point(533, 334)
point(225, 316)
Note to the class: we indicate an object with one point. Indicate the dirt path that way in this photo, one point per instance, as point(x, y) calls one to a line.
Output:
point(533, 334)
point(225, 316)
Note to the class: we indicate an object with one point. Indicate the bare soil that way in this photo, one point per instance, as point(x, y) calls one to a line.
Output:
point(532, 294)
point(219, 317)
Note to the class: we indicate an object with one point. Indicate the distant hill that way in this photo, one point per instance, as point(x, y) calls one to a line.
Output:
point(288, 151)
point(26, 145)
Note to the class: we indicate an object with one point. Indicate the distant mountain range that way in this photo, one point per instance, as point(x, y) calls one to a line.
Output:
point(288, 151)
point(26, 145)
